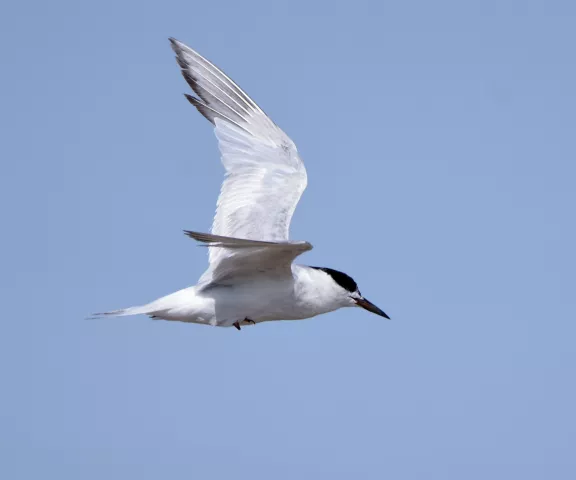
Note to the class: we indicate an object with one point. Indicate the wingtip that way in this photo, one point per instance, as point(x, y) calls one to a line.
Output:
point(176, 45)
point(195, 235)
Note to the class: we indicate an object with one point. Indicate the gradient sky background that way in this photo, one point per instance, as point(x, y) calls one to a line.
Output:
point(439, 142)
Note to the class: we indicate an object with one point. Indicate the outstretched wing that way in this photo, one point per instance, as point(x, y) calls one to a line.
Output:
point(265, 176)
point(242, 257)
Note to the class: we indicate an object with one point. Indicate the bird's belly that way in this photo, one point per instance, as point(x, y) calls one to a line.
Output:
point(263, 304)
point(260, 302)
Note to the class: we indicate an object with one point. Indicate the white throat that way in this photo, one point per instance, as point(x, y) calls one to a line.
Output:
point(316, 292)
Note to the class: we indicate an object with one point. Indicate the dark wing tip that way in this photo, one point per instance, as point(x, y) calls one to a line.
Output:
point(174, 43)
point(177, 46)
point(200, 237)
point(206, 111)
point(189, 233)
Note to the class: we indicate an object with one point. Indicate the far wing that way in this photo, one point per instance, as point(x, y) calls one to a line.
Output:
point(242, 257)
point(265, 176)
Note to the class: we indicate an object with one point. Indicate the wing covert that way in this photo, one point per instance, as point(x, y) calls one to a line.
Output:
point(242, 257)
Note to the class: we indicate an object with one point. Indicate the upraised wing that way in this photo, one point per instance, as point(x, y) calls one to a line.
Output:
point(265, 176)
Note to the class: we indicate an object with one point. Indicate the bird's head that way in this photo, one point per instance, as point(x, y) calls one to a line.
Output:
point(348, 289)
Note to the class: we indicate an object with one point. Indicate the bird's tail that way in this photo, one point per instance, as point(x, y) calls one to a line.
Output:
point(144, 309)
point(168, 307)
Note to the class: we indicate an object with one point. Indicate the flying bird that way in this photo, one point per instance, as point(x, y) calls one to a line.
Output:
point(251, 277)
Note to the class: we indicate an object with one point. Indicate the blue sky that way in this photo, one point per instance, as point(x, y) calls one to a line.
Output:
point(439, 143)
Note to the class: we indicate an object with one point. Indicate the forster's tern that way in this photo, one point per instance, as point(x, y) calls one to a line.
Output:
point(251, 277)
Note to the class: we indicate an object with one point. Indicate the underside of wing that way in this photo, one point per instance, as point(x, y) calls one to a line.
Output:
point(242, 257)
point(265, 176)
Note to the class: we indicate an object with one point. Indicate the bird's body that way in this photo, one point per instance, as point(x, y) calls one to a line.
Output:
point(251, 277)
point(258, 298)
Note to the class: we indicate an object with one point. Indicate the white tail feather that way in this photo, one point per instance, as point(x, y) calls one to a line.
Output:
point(123, 312)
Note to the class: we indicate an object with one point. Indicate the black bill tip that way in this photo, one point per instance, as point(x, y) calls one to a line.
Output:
point(367, 305)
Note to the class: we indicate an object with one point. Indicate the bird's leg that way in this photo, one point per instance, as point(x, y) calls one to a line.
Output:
point(247, 320)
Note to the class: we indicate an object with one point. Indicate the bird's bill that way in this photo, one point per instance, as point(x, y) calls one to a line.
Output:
point(365, 304)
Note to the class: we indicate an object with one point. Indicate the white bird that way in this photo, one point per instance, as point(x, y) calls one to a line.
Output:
point(251, 276)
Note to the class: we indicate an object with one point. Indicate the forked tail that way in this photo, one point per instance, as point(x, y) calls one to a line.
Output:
point(123, 312)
